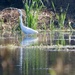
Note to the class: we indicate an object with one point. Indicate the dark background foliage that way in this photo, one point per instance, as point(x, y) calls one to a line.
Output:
point(47, 3)
point(61, 3)
point(11, 3)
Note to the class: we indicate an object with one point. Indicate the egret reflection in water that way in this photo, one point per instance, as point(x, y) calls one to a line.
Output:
point(26, 42)
point(29, 41)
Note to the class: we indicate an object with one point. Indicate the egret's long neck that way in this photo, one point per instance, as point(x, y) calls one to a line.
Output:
point(21, 21)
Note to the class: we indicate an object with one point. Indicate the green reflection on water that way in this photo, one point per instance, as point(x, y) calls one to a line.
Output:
point(35, 62)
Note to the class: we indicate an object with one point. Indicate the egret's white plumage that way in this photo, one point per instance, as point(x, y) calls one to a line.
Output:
point(25, 29)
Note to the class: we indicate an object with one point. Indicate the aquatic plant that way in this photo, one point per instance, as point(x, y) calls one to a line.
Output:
point(34, 4)
point(1, 24)
point(52, 24)
point(60, 40)
point(31, 17)
point(31, 14)
point(60, 16)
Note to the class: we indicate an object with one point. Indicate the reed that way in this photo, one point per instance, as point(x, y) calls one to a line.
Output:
point(32, 8)
point(61, 17)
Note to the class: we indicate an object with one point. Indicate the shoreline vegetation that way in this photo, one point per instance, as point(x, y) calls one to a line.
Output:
point(37, 17)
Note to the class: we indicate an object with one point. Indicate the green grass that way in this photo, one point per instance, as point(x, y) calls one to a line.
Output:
point(61, 17)
point(0, 25)
point(32, 10)
point(31, 17)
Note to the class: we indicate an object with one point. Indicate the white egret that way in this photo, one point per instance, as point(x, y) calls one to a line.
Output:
point(25, 29)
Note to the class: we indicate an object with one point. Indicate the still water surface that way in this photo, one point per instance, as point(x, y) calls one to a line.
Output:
point(48, 53)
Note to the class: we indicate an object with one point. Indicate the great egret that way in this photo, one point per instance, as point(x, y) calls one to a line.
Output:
point(25, 29)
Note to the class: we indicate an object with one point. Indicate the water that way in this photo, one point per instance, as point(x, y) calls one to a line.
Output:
point(48, 53)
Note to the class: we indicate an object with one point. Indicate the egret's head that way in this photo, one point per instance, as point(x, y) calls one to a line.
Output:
point(20, 11)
